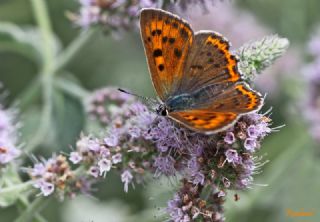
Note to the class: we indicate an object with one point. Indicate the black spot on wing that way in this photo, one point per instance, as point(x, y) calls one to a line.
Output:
point(157, 53)
point(177, 52)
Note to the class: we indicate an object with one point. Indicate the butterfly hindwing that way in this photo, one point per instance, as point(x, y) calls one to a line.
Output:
point(167, 40)
point(238, 98)
point(214, 111)
point(210, 62)
point(205, 121)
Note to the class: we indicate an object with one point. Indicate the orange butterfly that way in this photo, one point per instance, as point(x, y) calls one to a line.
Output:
point(194, 74)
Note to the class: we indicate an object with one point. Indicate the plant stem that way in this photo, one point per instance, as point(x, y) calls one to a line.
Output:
point(42, 17)
point(71, 88)
point(68, 54)
point(35, 207)
point(16, 188)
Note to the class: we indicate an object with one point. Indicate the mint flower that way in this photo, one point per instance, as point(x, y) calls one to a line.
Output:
point(188, 205)
point(55, 176)
point(257, 56)
point(114, 16)
point(8, 137)
point(311, 100)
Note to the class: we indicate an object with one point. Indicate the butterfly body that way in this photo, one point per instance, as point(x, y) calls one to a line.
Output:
point(194, 74)
point(180, 102)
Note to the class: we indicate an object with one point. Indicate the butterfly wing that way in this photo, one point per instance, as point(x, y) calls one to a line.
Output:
point(167, 40)
point(210, 62)
point(216, 113)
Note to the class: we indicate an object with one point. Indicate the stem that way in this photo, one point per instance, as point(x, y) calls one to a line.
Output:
point(71, 88)
point(68, 54)
point(35, 207)
point(23, 201)
point(16, 188)
point(42, 17)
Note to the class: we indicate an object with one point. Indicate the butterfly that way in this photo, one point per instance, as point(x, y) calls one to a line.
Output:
point(194, 74)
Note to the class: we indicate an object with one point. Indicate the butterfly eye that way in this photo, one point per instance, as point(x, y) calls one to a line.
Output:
point(164, 112)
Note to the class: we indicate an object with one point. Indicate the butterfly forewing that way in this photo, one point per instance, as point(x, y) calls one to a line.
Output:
point(167, 40)
point(210, 62)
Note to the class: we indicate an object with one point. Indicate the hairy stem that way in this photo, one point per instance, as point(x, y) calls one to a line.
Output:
point(34, 208)
point(68, 54)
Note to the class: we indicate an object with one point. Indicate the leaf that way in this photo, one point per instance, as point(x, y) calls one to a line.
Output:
point(68, 122)
point(12, 187)
point(25, 41)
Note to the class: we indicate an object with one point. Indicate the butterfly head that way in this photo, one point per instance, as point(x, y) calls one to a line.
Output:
point(162, 110)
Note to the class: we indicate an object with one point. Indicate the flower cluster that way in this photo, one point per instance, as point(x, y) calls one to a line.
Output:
point(105, 104)
point(259, 55)
point(311, 104)
point(56, 175)
point(8, 137)
point(114, 15)
point(187, 205)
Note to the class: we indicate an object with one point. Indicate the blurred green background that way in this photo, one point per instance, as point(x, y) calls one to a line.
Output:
point(292, 174)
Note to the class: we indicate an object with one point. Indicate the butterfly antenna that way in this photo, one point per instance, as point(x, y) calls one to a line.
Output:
point(148, 101)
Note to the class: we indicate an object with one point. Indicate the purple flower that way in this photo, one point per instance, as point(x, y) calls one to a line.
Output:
point(88, 16)
point(117, 158)
point(94, 145)
point(226, 182)
point(253, 132)
point(104, 166)
point(8, 137)
point(250, 144)
point(198, 178)
point(83, 144)
point(314, 45)
point(229, 138)
point(39, 169)
point(135, 132)
point(112, 140)
point(221, 193)
point(126, 178)
point(75, 157)
point(193, 165)
point(45, 187)
point(94, 171)
point(164, 165)
point(232, 156)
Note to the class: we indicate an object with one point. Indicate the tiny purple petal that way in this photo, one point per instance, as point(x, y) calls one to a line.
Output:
point(250, 144)
point(229, 138)
point(94, 171)
point(117, 158)
point(126, 178)
point(104, 166)
point(232, 156)
point(198, 178)
point(75, 157)
point(112, 140)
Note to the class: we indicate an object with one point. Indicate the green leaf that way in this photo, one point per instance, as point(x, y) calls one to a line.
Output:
point(25, 41)
point(12, 187)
